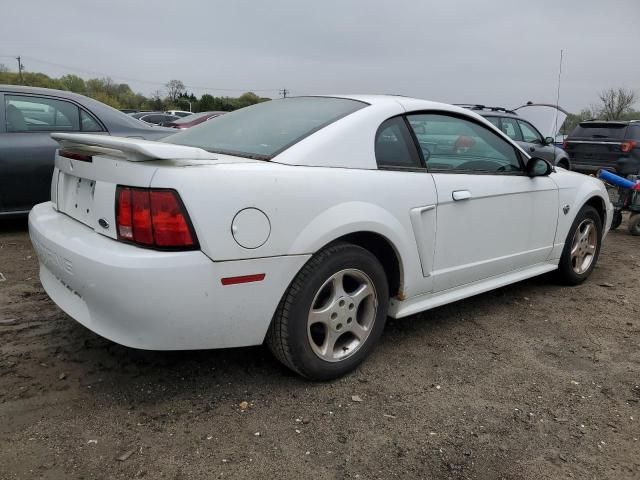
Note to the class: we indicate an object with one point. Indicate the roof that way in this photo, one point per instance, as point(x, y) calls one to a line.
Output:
point(43, 91)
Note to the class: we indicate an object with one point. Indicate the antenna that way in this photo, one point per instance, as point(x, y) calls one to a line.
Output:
point(558, 92)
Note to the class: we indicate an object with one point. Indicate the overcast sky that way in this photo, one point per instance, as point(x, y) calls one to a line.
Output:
point(481, 51)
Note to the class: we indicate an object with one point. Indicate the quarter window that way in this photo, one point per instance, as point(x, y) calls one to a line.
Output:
point(88, 123)
point(529, 133)
point(454, 144)
point(394, 146)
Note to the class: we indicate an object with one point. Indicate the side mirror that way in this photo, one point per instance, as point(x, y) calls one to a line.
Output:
point(538, 167)
point(549, 140)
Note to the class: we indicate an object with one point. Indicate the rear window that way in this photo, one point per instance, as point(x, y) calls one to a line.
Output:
point(600, 130)
point(263, 130)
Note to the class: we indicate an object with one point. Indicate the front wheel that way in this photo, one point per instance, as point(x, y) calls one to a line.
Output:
point(582, 247)
point(333, 313)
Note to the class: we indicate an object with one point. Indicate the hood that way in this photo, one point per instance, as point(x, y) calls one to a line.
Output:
point(547, 118)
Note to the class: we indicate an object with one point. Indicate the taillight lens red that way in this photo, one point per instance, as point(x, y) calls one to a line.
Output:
point(170, 227)
point(153, 218)
point(565, 145)
point(627, 146)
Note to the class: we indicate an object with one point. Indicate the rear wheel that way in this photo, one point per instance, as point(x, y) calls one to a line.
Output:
point(582, 247)
point(634, 224)
point(332, 314)
point(564, 163)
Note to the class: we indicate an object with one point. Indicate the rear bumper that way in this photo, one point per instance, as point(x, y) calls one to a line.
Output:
point(154, 300)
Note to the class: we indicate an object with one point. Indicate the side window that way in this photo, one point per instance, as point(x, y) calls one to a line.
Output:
point(529, 133)
point(511, 129)
point(39, 114)
point(457, 145)
point(494, 120)
point(88, 123)
point(394, 146)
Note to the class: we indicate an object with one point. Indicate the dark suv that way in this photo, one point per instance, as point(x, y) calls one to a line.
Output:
point(524, 133)
point(612, 145)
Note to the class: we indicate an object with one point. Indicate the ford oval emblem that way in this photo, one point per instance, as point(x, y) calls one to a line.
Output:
point(103, 223)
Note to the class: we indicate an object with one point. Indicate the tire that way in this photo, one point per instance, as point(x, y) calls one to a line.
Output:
point(634, 225)
point(571, 269)
point(616, 220)
point(331, 346)
point(564, 163)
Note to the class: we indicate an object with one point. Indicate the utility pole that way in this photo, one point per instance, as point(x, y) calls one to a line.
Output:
point(20, 69)
point(284, 92)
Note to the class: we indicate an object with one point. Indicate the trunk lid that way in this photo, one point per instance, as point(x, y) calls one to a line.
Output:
point(88, 168)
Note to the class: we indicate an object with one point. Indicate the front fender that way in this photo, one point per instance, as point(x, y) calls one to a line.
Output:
point(575, 191)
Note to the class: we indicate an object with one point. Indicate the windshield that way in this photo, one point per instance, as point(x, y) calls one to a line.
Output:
point(264, 130)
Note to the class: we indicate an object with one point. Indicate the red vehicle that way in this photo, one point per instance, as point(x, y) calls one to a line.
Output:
point(192, 120)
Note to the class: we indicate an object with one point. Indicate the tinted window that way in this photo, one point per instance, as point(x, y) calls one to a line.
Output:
point(600, 130)
point(88, 123)
point(494, 120)
point(26, 113)
point(455, 144)
point(394, 146)
point(152, 118)
point(529, 134)
point(510, 129)
point(266, 129)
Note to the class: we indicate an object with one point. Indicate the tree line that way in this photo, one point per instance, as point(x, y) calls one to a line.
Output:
point(120, 95)
point(615, 103)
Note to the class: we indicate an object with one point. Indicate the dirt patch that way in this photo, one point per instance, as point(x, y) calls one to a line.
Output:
point(532, 381)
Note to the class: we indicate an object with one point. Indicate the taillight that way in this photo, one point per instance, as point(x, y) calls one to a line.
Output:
point(565, 145)
point(83, 157)
point(627, 146)
point(153, 218)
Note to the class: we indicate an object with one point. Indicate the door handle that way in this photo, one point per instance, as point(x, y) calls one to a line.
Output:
point(461, 195)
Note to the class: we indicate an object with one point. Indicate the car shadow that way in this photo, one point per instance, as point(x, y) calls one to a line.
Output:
point(140, 377)
point(14, 225)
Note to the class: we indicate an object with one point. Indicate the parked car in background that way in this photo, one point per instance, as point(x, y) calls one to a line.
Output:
point(524, 132)
point(304, 221)
point(179, 113)
point(192, 120)
point(154, 118)
point(612, 145)
point(28, 115)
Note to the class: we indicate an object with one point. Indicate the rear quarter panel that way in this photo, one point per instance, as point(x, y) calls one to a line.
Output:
point(307, 207)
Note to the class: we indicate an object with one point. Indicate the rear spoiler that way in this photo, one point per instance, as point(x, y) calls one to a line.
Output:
point(133, 149)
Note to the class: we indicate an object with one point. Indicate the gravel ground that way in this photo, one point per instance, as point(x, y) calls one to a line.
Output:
point(532, 381)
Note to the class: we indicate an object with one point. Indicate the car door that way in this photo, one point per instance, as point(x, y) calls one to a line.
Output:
point(534, 144)
point(491, 218)
point(26, 148)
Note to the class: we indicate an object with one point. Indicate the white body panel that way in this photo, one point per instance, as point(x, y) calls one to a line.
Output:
point(501, 229)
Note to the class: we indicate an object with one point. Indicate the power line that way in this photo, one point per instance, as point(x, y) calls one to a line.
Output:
point(137, 80)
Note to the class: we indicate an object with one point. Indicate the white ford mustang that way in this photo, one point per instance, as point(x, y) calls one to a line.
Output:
point(306, 222)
